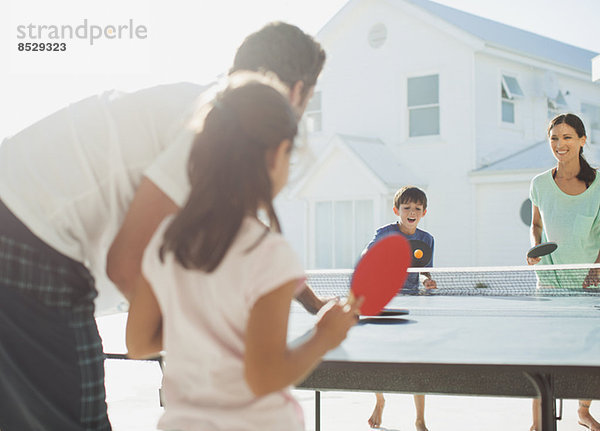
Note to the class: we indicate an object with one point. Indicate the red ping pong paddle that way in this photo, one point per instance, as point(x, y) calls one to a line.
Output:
point(542, 249)
point(380, 274)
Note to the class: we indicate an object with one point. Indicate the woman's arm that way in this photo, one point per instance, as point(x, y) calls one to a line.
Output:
point(144, 322)
point(535, 232)
point(270, 365)
point(593, 276)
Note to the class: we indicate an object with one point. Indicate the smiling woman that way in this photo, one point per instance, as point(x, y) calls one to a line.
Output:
point(566, 205)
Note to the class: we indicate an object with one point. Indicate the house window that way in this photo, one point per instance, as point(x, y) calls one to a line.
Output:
point(557, 105)
point(423, 106)
point(591, 117)
point(510, 89)
point(342, 231)
point(312, 113)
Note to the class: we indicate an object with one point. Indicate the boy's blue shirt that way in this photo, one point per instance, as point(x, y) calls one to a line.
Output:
point(411, 285)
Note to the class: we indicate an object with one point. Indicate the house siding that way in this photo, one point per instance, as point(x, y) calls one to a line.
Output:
point(364, 94)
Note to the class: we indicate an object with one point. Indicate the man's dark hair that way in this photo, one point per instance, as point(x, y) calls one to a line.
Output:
point(285, 50)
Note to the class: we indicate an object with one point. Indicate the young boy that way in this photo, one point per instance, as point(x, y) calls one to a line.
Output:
point(410, 205)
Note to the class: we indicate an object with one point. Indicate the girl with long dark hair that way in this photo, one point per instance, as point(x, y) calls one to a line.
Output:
point(220, 280)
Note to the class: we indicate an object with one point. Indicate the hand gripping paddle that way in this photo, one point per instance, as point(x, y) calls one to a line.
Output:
point(542, 249)
point(380, 274)
point(421, 253)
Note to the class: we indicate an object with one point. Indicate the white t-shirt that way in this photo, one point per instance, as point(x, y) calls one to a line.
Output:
point(205, 317)
point(71, 176)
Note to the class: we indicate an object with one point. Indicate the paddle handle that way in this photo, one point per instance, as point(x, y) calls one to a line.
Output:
point(351, 299)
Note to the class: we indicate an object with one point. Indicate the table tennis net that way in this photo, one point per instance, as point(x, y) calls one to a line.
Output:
point(538, 280)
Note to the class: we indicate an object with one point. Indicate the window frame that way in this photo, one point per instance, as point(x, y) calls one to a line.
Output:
point(556, 105)
point(594, 133)
point(415, 107)
point(509, 97)
point(309, 113)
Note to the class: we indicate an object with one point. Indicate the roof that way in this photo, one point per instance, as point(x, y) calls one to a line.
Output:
point(536, 157)
point(381, 160)
point(512, 38)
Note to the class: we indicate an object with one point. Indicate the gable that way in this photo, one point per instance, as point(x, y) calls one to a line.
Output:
point(340, 175)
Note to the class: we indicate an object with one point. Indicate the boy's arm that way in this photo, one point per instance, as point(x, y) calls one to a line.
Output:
point(378, 235)
point(429, 283)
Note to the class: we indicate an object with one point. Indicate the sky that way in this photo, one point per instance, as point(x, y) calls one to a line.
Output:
point(194, 40)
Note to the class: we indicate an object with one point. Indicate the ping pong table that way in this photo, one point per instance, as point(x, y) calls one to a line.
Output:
point(522, 346)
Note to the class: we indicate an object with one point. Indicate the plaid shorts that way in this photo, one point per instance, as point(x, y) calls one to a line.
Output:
point(51, 357)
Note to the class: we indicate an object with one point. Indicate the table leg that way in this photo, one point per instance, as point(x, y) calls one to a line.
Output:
point(545, 389)
point(317, 411)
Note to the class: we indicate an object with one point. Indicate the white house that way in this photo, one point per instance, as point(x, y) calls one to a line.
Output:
point(414, 92)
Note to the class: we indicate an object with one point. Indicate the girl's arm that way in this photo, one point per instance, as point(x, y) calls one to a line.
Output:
point(535, 232)
point(144, 322)
point(270, 365)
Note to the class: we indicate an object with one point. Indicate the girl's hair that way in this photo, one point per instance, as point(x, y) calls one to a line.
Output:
point(587, 174)
point(228, 173)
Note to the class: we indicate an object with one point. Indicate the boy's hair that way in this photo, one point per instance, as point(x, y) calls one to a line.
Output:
point(285, 50)
point(228, 173)
point(410, 194)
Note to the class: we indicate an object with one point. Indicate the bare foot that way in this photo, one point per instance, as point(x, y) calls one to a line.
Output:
point(534, 427)
point(587, 420)
point(376, 417)
point(420, 425)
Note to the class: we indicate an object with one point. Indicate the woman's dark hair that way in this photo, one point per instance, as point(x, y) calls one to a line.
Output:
point(587, 174)
point(228, 173)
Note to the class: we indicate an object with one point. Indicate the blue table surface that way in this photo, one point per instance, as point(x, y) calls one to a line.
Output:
point(561, 331)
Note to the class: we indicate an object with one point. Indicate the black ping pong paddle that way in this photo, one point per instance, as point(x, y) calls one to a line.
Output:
point(388, 312)
point(421, 253)
point(380, 274)
point(542, 249)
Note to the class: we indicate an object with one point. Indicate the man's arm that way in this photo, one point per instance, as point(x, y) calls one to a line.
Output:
point(147, 210)
point(309, 300)
point(143, 332)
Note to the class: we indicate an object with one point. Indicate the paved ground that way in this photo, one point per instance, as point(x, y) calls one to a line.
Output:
point(132, 394)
